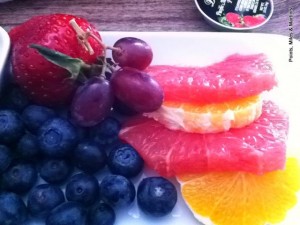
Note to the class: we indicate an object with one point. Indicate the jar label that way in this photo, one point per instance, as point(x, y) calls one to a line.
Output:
point(236, 13)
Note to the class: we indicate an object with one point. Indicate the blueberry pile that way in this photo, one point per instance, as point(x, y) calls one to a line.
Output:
point(49, 169)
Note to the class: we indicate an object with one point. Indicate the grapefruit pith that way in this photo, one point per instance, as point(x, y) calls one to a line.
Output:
point(209, 118)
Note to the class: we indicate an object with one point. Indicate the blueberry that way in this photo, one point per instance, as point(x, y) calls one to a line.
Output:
point(43, 198)
point(116, 144)
point(107, 131)
point(12, 209)
point(63, 113)
point(11, 126)
point(68, 213)
point(82, 188)
point(14, 99)
point(89, 157)
point(156, 196)
point(5, 158)
point(55, 170)
point(57, 137)
point(28, 147)
point(124, 160)
point(82, 132)
point(117, 190)
point(101, 214)
point(34, 116)
point(19, 177)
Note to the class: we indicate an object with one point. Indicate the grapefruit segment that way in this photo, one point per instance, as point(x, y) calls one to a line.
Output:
point(209, 118)
point(257, 148)
point(238, 76)
point(228, 198)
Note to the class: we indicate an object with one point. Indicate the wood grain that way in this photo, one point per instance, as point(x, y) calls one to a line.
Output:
point(139, 15)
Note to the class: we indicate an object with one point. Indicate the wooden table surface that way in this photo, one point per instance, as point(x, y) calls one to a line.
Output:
point(140, 15)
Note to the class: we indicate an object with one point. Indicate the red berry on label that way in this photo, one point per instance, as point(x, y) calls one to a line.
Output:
point(233, 17)
point(260, 18)
point(251, 21)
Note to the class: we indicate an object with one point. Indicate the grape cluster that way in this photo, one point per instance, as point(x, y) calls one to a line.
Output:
point(127, 87)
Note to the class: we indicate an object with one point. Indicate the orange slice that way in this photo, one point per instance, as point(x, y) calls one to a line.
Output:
point(240, 198)
point(210, 118)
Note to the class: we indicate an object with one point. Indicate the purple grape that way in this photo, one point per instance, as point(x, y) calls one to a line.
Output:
point(137, 90)
point(122, 108)
point(92, 102)
point(133, 52)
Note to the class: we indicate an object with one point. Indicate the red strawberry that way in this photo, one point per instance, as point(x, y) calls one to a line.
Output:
point(251, 21)
point(44, 82)
point(232, 17)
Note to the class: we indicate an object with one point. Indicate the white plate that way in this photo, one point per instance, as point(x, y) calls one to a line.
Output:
point(4, 49)
point(203, 49)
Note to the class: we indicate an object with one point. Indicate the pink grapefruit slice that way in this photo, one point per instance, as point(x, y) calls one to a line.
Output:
point(238, 76)
point(257, 148)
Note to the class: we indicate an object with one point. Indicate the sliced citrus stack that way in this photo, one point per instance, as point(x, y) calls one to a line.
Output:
point(238, 198)
point(213, 98)
point(208, 118)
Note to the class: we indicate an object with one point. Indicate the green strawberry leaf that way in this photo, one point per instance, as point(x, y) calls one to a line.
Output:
point(224, 21)
point(73, 65)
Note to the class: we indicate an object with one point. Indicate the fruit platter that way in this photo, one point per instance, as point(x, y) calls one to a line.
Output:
point(148, 128)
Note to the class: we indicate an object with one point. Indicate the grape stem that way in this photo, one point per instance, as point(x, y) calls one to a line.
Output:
point(83, 40)
point(82, 36)
point(89, 34)
point(105, 47)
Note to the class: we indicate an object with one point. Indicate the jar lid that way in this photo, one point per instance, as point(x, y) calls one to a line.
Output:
point(236, 15)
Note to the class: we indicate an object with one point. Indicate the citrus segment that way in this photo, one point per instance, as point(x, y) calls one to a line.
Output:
point(228, 198)
point(257, 148)
point(237, 76)
point(209, 118)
